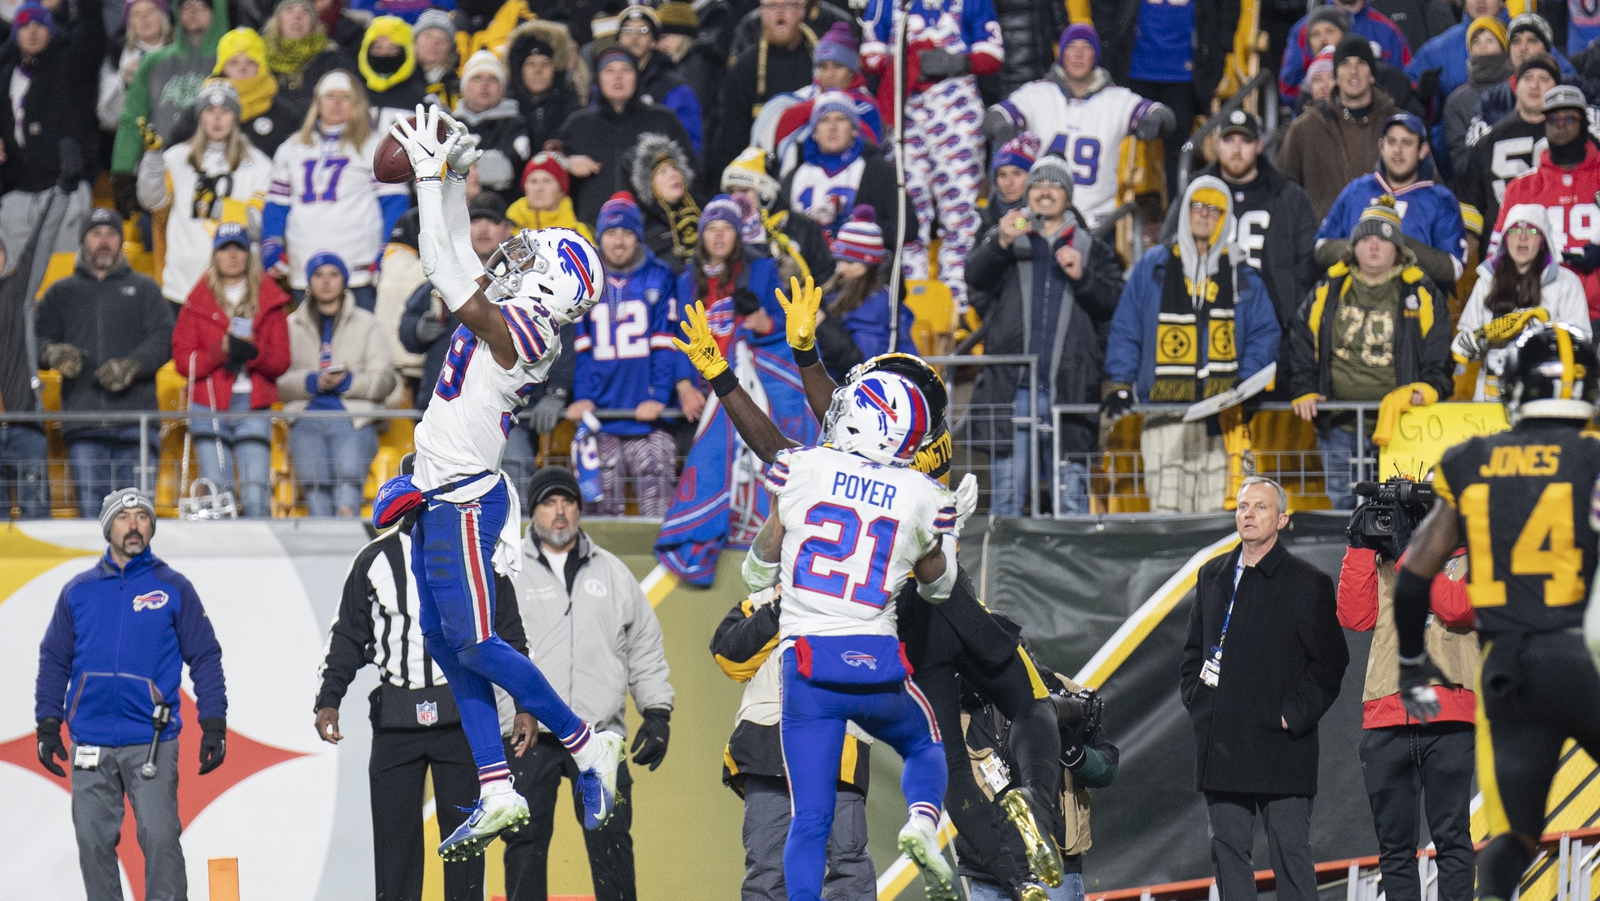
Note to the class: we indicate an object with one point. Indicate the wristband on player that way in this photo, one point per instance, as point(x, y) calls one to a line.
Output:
point(758, 573)
point(807, 357)
point(724, 382)
point(938, 591)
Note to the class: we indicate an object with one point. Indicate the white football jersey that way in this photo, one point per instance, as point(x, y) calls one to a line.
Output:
point(332, 198)
point(463, 432)
point(1087, 132)
point(852, 531)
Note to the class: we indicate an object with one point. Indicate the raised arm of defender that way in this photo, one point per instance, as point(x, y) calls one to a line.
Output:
point(445, 241)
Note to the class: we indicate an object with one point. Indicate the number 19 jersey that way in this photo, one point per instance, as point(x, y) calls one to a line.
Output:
point(852, 531)
point(1523, 504)
point(464, 430)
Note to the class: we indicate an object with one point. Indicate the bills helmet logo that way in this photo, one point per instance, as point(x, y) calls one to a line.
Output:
point(860, 658)
point(575, 262)
point(428, 713)
point(150, 600)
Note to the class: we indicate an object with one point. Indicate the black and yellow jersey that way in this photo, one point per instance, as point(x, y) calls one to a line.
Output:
point(1522, 501)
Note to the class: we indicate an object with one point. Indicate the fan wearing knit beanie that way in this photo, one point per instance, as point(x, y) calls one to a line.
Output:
point(785, 119)
point(1086, 115)
point(944, 145)
point(1367, 336)
point(856, 311)
point(264, 117)
point(492, 116)
point(643, 376)
point(544, 202)
point(434, 35)
point(1008, 174)
point(737, 285)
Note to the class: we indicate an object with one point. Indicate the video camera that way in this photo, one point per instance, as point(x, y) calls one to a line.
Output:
point(1392, 512)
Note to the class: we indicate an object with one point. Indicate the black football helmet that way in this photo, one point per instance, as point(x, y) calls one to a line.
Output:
point(1550, 372)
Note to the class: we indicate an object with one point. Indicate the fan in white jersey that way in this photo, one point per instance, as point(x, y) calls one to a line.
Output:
point(850, 522)
point(1079, 114)
point(511, 318)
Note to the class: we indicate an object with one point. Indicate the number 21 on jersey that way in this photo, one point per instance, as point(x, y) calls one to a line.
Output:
point(1545, 547)
point(872, 590)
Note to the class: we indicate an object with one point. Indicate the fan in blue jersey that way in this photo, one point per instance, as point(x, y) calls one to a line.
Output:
point(1430, 216)
point(626, 361)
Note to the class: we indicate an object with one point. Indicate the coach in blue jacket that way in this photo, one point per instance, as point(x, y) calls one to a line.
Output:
point(111, 659)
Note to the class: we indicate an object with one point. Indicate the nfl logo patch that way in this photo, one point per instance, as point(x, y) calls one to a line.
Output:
point(428, 713)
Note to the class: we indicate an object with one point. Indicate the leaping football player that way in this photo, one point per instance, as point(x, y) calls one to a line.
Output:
point(511, 315)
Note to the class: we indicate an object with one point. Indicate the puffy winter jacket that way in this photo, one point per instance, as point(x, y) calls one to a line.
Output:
point(116, 647)
point(197, 347)
point(122, 315)
point(58, 106)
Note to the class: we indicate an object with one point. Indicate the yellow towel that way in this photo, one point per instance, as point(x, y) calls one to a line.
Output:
point(1396, 402)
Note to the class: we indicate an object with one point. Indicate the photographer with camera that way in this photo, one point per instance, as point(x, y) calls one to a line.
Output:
point(1407, 763)
point(1088, 761)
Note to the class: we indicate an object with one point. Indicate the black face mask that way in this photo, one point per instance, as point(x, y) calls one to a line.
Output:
point(1568, 154)
point(386, 65)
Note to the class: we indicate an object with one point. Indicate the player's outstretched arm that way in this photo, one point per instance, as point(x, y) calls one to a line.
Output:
point(755, 427)
point(463, 291)
point(800, 317)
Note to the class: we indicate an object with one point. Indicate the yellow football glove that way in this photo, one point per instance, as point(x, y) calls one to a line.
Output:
point(800, 308)
point(702, 348)
point(152, 141)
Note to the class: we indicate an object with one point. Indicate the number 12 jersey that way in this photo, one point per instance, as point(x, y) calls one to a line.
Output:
point(852, 531)
point(1523, 504)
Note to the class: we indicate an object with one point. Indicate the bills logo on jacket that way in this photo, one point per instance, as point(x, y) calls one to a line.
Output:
point(150, 600)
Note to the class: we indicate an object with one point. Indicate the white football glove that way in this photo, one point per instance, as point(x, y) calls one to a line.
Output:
point(421, 141)
point(465, 152)
point(966, 501)
point(1466, 347)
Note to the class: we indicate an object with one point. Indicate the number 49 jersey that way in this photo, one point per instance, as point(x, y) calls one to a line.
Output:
point(1523, 502)
point(852, 531)
point(463, 432)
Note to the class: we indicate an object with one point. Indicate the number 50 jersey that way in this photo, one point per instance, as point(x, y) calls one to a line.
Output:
point(852, 531)
point(1523, 501)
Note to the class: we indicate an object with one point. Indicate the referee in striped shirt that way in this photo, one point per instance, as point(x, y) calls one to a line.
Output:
point(415, 725)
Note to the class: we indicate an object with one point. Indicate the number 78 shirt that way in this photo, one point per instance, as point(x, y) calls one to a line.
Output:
point(1087, 132)
point(852, 531)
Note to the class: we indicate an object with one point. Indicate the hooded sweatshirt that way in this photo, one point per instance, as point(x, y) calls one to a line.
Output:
point(1560, 294)
point(1145, 350)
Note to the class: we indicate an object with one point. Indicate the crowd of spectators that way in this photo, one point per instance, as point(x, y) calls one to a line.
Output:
point(715, 150)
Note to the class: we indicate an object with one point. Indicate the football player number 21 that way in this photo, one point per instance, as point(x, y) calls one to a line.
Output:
point(880, 532)
point(1544, 547)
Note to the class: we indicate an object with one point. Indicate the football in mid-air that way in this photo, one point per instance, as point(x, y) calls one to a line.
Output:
point(390, 164)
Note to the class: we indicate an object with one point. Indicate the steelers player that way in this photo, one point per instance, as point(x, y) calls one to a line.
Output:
point(1520, 500)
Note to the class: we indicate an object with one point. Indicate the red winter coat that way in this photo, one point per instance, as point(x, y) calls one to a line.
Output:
point(1568, 196)
point(199, 333)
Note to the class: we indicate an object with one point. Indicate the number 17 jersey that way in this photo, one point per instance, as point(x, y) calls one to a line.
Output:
point(1523, 502)
point(852, 531)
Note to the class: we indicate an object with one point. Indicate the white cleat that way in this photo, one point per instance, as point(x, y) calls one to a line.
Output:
point(500, 809)
point(919, 839)
point(598, 760)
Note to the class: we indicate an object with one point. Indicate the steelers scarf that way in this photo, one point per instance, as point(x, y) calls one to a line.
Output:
point(1184, 306)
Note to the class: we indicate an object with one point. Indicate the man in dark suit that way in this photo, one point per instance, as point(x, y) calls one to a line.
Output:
point(1255, 701)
